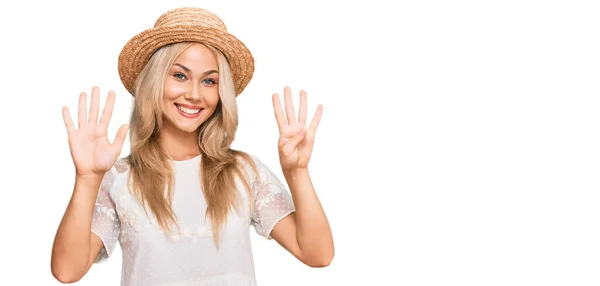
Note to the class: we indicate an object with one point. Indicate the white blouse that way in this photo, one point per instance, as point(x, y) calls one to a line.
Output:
point(188, 256)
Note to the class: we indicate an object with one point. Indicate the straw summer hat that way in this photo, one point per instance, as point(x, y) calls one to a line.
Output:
point(186, 25)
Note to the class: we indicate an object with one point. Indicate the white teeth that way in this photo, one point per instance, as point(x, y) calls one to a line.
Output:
point(188, 110)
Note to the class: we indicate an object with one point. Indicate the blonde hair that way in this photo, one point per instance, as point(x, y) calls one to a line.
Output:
point(151, 170)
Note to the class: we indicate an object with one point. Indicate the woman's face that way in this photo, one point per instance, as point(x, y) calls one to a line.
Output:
point(191, 89)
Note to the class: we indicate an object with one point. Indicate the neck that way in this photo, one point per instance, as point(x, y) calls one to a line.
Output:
point(180, 145)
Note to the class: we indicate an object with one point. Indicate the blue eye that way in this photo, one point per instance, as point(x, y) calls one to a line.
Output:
point(179, 76)
point(209, 81)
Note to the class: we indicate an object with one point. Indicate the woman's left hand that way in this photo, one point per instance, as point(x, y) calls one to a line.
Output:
point(295, 140)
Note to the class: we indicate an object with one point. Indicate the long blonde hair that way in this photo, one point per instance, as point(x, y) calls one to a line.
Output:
point(151, 170)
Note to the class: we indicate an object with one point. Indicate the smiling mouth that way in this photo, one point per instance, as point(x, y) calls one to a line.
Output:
point(188, 112)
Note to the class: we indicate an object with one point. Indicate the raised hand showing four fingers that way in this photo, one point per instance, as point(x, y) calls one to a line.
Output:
point(91, 150)
point(295, 140)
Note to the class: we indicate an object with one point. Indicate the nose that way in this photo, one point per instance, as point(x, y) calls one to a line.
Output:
point(194, 93)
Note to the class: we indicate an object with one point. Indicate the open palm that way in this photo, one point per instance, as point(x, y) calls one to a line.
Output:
point(91, 150)
point(295, 140)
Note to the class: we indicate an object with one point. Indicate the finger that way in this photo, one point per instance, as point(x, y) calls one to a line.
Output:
point(108, 108)
point(291, 130)
point(95, 101)
point(315, 122)
point(302, 112)
point(82, 116)
point(289, 146)
point(120, 137)
point(68, 121)
point(289, 105)
point(279, 116)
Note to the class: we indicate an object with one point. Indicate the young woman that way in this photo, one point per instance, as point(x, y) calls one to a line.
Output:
point(181, 203)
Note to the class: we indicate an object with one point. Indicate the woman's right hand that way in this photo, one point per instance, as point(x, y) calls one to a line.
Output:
point(93, 154)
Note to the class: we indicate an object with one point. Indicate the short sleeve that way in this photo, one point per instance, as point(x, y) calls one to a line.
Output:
point(272, 201)
point(105, 222)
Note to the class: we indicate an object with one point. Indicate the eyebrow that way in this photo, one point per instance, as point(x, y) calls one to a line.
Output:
point(190, 71)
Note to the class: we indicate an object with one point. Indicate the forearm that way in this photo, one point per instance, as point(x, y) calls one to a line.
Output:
point(70, 252)
point(312, 227)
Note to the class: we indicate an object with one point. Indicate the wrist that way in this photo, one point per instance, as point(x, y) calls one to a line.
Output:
point(89, 178)
point(294, 173)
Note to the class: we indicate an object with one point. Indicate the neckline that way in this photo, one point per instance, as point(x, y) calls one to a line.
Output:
point(193, 159)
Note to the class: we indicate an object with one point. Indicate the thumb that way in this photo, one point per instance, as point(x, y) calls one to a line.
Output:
point(120, 137)
point(291, 144)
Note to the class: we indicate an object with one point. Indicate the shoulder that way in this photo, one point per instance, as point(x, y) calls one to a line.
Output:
point(121, 165)
point(119, 169)
point(251, 163)
point(260, 171)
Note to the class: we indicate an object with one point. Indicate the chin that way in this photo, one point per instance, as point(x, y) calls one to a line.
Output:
point(190, 128)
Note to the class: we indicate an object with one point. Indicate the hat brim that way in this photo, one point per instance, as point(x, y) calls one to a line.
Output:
point(136, 53)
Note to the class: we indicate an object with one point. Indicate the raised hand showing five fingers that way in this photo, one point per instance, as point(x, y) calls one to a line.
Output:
point(91, 150)
point(295, 140)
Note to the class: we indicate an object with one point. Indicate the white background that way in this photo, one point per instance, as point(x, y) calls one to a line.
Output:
point(459, 143)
